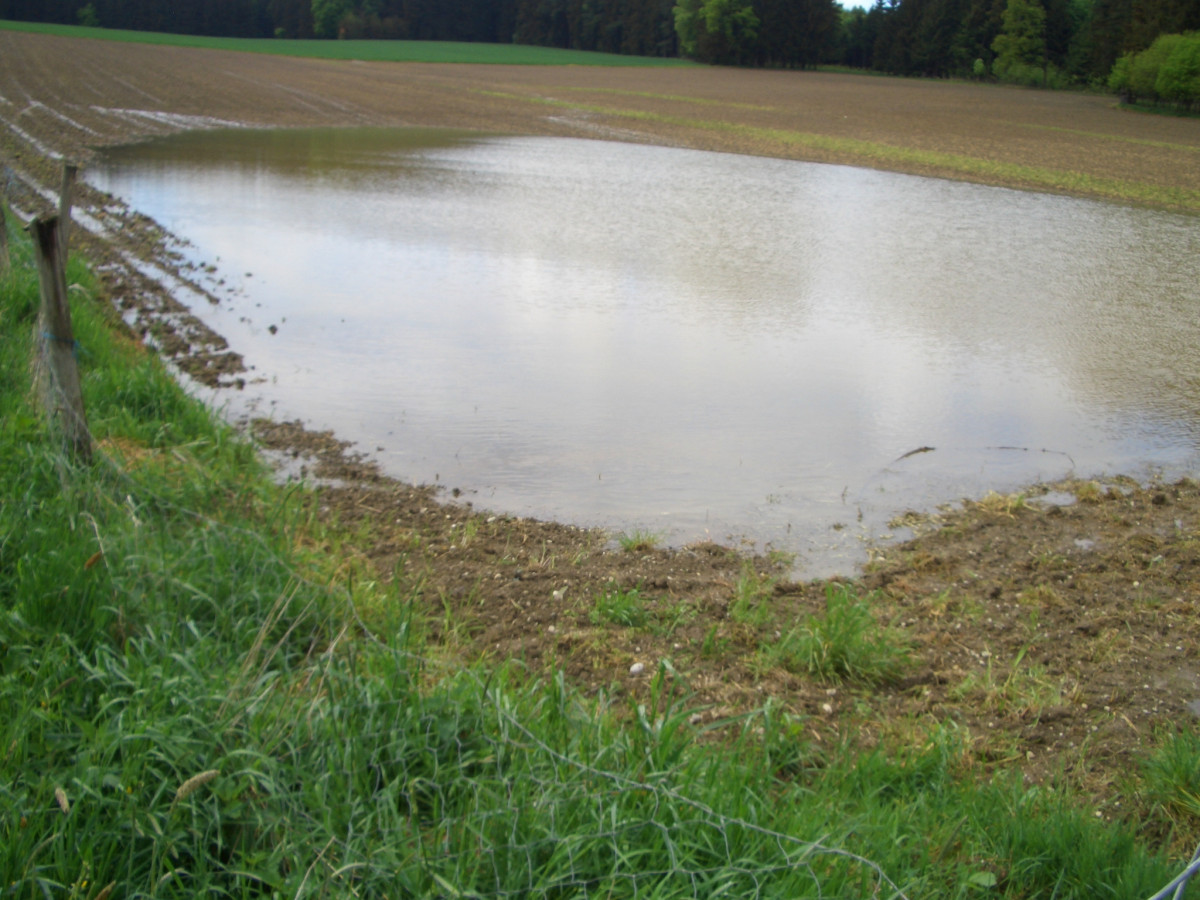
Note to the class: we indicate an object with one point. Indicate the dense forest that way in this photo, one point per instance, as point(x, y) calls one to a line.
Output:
point(1046, 42)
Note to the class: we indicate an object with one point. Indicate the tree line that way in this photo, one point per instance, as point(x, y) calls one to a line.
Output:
point(1046, 42)
point(1168, 70)
point(635, 27)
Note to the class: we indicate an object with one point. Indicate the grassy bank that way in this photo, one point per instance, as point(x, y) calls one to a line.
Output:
point(203, 694)
point(369, 51)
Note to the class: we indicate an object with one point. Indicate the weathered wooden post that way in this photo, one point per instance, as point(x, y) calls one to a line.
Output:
point(61, 393)
point(70, 170)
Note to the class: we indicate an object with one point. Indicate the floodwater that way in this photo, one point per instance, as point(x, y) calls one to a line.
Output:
point(700, 345)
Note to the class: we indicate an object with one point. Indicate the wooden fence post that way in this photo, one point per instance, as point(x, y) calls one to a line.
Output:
point(61, 393)
point(70, 170)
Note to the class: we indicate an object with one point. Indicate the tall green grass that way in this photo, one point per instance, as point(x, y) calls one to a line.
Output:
point(367, 50)
point(845, 643)
point(192, 707)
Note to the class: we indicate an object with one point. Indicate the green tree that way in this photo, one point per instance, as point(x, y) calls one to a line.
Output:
point(1021, 45)
point(1179, 77)
point(732, 23)
point(716, 31)
point(859, 32)
point(1150, 18)
point(979, 24)
point(1108, 34)
point(687, 26)
point(327, 16)
point(935, 50)
point(1079, 43)
point(293, 17)
point(88, 17)
point(1146, 66)
point(1118, 78)
point(798, 33)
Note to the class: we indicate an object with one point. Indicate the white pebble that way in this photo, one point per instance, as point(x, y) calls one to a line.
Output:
point(637, 669)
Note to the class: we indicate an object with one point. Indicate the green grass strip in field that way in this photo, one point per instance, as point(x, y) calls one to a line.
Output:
point(880, 155)
point(976, 168)
point(365, 51)
point(1119, 138)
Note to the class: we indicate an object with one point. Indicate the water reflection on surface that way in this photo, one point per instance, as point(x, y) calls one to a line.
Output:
point(698, 344)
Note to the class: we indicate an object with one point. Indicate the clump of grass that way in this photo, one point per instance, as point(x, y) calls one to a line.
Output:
point(715, 643)
point(781, 559)
point(1041, 596)
point(1002, 504)
point(949, 603)
point(1171, 777)
point(619, 607)
point(1022, 691)
point(466, 534)
point(639, 541)
point(751, 595)
point(845, 643)
point(672, 616)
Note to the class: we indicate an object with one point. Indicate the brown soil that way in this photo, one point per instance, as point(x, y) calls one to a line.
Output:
point(1061, 639)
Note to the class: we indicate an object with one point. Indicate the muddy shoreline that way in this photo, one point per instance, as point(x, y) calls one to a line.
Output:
point(1059, 634)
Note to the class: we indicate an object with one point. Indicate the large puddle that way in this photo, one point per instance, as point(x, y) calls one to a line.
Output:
point(694, 344)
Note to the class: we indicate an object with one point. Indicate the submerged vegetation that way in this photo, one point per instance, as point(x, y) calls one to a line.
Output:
point(200, 697)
